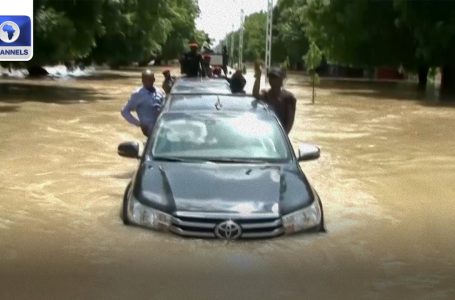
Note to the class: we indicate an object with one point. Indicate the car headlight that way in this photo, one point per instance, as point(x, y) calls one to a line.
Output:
point(303, 219)
point(146, 216)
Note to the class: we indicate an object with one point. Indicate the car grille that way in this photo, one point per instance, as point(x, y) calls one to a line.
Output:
point(204, 226)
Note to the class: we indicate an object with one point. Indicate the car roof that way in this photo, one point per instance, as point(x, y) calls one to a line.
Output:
point(211, 103)
point(200, 85)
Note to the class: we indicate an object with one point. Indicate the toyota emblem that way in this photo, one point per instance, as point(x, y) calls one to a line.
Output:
point(228, 230)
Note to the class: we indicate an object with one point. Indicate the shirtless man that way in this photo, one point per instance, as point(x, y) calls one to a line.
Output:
point(280, 100)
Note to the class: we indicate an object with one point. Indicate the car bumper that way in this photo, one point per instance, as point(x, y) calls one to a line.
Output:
point(209, 225)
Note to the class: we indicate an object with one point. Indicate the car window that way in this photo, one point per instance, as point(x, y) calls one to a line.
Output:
point(244, 136)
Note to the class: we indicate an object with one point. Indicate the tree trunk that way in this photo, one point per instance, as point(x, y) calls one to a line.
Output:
point(313, 89)
point(423, 77)
point(448, 83)
point(37, 71)
point(158, 61)
point(70, 66)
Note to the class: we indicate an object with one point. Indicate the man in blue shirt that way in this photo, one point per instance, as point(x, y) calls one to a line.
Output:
point(146, 102)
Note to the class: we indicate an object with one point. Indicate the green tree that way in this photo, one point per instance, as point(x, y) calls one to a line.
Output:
point(227, 41)
point(254, 36)
point(65, 30)
point(116, 32)
point(313, 59)
point(289, 38)
point(183, 28)
point(431, 25)
point(135, 31)
point(416, 34)
point(356, 32)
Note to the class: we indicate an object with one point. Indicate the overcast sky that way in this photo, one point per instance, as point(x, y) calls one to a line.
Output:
point(217, 16)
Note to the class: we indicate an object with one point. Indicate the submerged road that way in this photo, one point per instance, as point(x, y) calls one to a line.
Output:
point(386, 178)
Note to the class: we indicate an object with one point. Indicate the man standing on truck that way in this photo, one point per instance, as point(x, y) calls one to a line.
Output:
point(225, 59)
point(191, 62)
point(280, 100)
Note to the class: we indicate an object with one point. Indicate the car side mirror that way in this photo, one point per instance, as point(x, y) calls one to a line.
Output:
point(128, 149)
point(308, 152)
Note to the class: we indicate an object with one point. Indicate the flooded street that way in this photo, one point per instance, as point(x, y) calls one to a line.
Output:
point(386, 178)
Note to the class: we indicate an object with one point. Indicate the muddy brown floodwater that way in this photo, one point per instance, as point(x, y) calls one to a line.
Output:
point(386, 178)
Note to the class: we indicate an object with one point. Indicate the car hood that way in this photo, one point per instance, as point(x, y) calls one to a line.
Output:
point(222, 188)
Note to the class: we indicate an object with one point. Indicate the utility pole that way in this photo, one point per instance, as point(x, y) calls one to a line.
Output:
point(268, 41)
point(242, 20)
point(231, 58)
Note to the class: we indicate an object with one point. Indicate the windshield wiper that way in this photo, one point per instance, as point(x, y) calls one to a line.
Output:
point(236, 160)
point(176, 159)
point(211, 160)
point(168, 158)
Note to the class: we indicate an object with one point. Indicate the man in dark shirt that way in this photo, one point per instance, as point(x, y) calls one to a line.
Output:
point(237, 82)
point(225, 59)
point(168, 81)
point(191, 62)
point(280, 100)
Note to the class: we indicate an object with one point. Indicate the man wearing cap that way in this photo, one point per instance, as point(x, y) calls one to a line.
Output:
point(168, 81)
point(146, 101)
point(280, 100)
point(191, 62)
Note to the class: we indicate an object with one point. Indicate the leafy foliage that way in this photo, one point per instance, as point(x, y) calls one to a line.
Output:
point(116, 32)
point(182, 17)
point(356, 32)
point(289, 36)
point(313, 59)
point(412, 33)
point(289, 39)
point(65, 30)
point(254, 36)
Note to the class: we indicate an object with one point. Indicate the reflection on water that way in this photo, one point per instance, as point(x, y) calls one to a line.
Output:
point(385, 176)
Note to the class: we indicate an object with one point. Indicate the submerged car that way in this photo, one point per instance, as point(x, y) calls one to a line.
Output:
point(221, 174)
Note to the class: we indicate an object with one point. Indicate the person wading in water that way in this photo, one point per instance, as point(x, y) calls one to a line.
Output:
point(280, 100)
point(146, 101)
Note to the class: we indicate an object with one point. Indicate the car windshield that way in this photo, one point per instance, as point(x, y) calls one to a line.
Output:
point(212, 102)
point(219, 86)
point(220, 137)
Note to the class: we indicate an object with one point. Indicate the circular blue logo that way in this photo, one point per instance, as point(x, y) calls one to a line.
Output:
point(9, 32)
